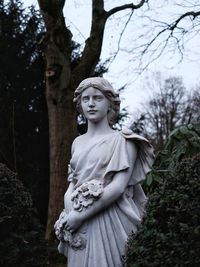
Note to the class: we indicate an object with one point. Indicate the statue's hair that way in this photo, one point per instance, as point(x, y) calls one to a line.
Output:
point(106, 88)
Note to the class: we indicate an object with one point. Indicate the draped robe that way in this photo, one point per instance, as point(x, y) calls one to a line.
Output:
point(106, 233)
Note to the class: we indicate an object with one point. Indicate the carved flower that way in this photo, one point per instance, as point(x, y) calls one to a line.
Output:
point(73, 240)
point(76, 241)
point(85, 194)
point(84, 187)
point(95, 188)
point(76, 204)
point(87, 202)
point(67, 236)
point(74, 194)
point(59, 225)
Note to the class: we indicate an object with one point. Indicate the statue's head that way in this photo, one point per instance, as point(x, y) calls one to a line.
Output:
point(105, 88)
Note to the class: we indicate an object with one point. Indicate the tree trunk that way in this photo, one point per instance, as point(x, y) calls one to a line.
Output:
point(62, 130)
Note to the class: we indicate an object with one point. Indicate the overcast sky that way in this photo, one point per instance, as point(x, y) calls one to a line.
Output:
point(78, 17)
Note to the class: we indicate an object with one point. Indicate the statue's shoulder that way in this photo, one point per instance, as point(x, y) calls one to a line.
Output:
point(129, 134)
point(77, 141)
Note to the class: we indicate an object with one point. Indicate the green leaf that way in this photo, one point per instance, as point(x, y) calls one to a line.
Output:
point(156, 177)
point(174, 132)
point(184, 129)
point(149, 179)
point(190, 126)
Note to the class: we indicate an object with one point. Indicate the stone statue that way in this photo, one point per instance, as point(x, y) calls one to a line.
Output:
point(104, 201)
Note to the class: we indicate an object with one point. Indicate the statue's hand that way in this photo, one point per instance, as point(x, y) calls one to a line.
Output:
point(74, 221)
point(63, 220)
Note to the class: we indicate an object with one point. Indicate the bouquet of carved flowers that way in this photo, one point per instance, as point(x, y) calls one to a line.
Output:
point(86, 194)
point(82, 197)
point(73, 240)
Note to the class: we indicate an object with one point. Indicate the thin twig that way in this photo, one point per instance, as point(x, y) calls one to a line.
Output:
point(121, 34)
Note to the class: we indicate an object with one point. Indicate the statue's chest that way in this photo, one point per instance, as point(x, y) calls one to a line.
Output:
point(96, 154)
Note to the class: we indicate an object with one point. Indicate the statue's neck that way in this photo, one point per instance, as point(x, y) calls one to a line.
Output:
point(98, 128)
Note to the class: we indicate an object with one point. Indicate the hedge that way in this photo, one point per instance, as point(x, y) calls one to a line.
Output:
point(170, 233)
point(21, 235)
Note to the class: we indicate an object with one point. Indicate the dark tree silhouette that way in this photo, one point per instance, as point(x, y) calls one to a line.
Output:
point(23, 111)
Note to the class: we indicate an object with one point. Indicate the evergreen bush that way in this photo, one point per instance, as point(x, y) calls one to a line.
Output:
point(183, 142)
point(170, 234)
point(21, 236)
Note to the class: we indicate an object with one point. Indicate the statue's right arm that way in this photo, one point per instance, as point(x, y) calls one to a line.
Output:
point(111, 193)
point(67, 196)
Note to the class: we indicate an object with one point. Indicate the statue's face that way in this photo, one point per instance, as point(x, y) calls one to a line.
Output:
point(94, 104)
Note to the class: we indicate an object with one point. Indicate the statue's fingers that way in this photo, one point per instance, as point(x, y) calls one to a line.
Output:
point(71, 231)
point(64, 223)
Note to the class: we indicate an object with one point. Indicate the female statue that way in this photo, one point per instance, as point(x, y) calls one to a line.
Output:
point(104, 201)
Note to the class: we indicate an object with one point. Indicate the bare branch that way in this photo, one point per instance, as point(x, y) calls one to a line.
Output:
point(57, 32)
point(93, 44)
point(78, 30)
point(126, 6)
point(173, 31)
point(52, 12)
point(187, 14)
point(119, 41)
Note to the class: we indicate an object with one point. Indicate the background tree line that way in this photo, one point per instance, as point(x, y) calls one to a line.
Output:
point(170, 106)
point(24, 145)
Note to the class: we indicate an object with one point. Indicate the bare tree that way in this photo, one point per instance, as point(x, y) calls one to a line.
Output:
point(166, 27)
point(61, 80)
point(191, 111)
point(168, 109)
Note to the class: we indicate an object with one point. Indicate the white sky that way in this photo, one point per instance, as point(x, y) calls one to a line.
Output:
point(78, 17)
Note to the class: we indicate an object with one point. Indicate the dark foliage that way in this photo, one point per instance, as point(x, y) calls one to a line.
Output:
point(182, 143)
point(170, 234)
point(21, 235)
point(24, 121)
point(138, 125)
